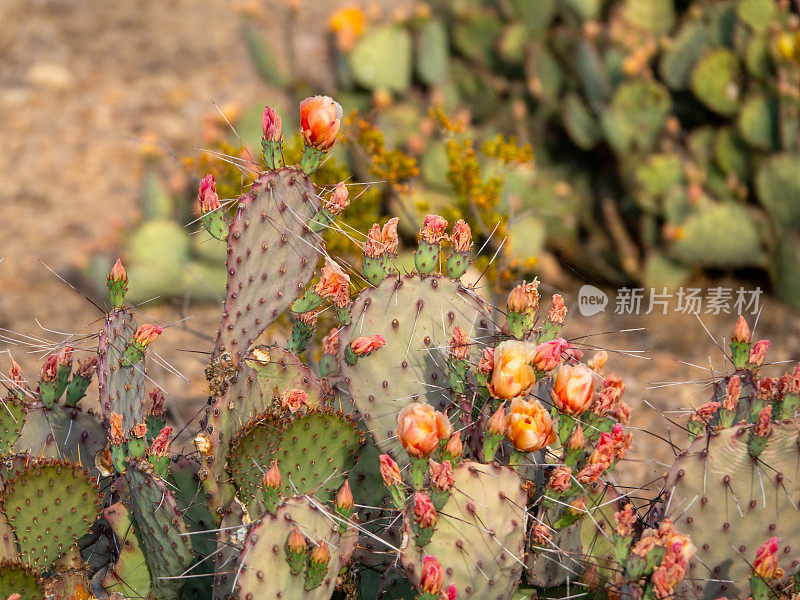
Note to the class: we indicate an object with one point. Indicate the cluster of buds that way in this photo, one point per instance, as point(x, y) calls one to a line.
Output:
point(744, 354)
point(431, 235)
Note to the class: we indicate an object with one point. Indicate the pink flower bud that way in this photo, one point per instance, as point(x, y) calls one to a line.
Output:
point(362, 346)
point(272, 478)
point(50, 368)
point(146, 334)
point(424, 513)
point(462, 236)
point(442, 476)
point(433, 229)
point(497, 423)
point(118, 272)
point(15, 377)
point(524, 297)
point(547, 356)
point(390, 471)
point(758, 352)
point(339, 200)
point(294, 400)
point(344, 498)
point(207, 198)
point(573, 389)
point(160, 443)
point(271, 125)
point(766, 562)
point(320, 554)
point(320, 120)
point(741, 333)
point(558, 312)
point(454, 447)
point(459, 344)
point(334, 284)
point(430, 580)
point(330, 344)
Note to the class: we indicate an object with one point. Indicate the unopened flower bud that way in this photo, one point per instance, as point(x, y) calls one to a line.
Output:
point(320, 554)
point(271, 125)
point(524, 297)
point(462, 236)
point(577, 440)
point(362, 346)
point(146, 334)
point(339, 200)
point(430, 580)
point(272, 478)
point(390, 471)
point(454, 447)
point(296, 542)
point(207, 198)
point(344, 498)
point(118, 272)
point(320, 120)
point(497, 422)
point(547, 355)
point(741, 333)
point(424, 512)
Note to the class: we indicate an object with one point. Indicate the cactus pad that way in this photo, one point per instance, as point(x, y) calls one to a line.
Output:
point(480, 534)
point(312, 450)
point(18, 578)
point(263, 568)
point(272, 255)
point(12, 417)
point(129, 576)
point(121, 388)
point(417, 317)
point(50, 504)
point(730, 504)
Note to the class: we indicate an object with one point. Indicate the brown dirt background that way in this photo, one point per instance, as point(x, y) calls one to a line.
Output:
point(83, 83)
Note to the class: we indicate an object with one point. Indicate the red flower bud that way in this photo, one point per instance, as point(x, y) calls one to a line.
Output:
point(207, 198)
point(390, 471)
point(271, 125)
point(424, 513)
point(766, 562)
point(363, 346)
point(430, 580)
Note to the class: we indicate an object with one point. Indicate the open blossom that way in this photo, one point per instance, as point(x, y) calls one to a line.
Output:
point(420, 427)
point(330, 343)
point(705, 412)
point(344, 497)
point(766, 563)
point(459, 344)
point(486, 363)
point(573, 389)
point(625, 520)
point(530, 427)
point(560, 479)
point(442, 476)
point(207, 198)
point(339, 199)
point(524, 297)
point(270, 125)
point(461, 237)
point(430, 580)
point(50, 368)
point(558, 313)
point(115, 432)
point(362, 346)
point(547, 355)
point(741, 333)
point(512, 373)
point(146, 334)
point(161, 441)
point(390, 471)
point(433, 229)
point(497, 422)
point(758, 352)
point(424, 512)
point(320, 120)
point(294, 400)
point(732, 394)
point(334, 284)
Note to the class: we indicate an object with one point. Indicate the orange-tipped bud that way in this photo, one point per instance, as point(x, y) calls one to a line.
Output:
point(272, 478)
point(334, 284)
point(766, 562)
point(454, 447)
point(741, 333)
point(118, 272)
point(339, 200)
point(344, 498)
point(498, 423)
point(558, 312)
point(573, 389)
point(524, 297)
point(320, 120)
point(547, 356)
point(320, 554)
point(433, 229)
point(362, 346)
point(390, 471)
point(146, 334)
point(207, 198)
point(462, 237)
point(758, 352)
point(442, 476)
point(430, 580)
point(271, 125)
point(296, 542)
point(459, 344)
point(577, 440)
point(424, 512)
point(160, 443)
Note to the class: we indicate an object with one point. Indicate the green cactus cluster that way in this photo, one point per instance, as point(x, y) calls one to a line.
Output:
point(435, 446)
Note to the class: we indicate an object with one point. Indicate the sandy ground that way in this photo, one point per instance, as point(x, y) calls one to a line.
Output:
point(82, 83)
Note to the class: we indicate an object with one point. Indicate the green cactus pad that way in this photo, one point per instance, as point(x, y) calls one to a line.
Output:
point(480, 534)
point(416, 317)
point(12, 419)
point(656, 16)
point(716, 81)
point(185, 484)
point(758, 123)
point(431, 56)
point(122, 389)
point(161, 530)
point(50, 503)
point(682, 55)
point(558, 562)
point(580, 123)
point(262, 569)
point(230, 541)
point(312, 450)
point(382, 59)
point(129, 576)
point(63, 432)
point(636, 116)
point(272, 256)
point(730, 504)
point(18, 578)
point(778, 187)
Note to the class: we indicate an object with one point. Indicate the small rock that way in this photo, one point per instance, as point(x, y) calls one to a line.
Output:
point(50, 75)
